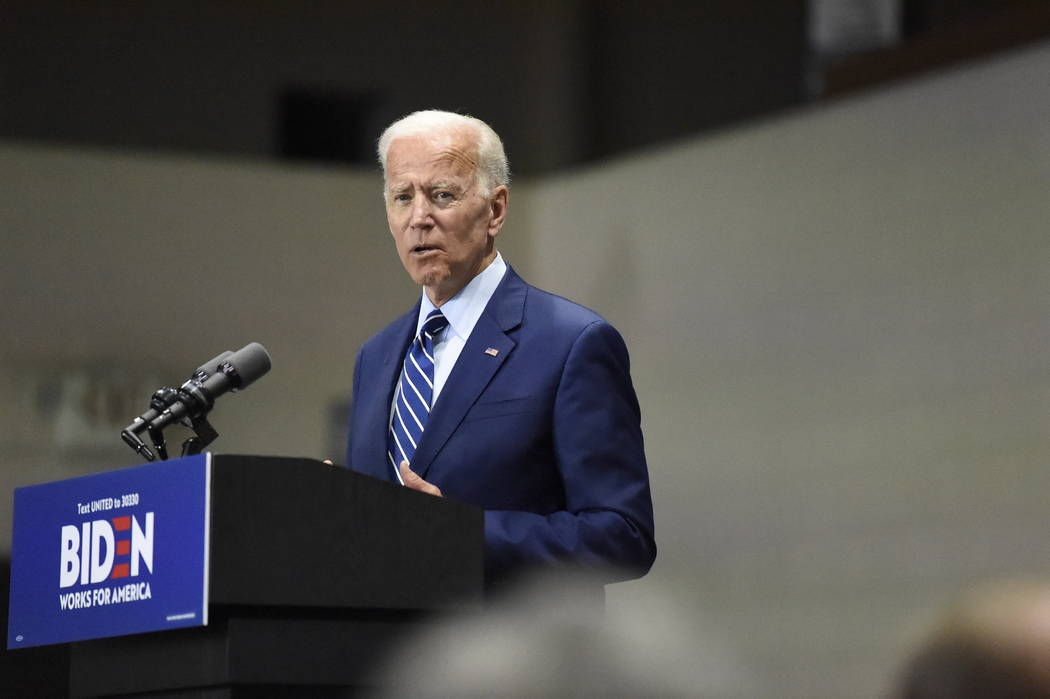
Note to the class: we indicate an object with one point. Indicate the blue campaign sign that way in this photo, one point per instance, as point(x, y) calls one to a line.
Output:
point(111, 554)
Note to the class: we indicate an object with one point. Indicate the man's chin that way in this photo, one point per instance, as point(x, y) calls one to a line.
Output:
point(432, 280)
point(430, 276)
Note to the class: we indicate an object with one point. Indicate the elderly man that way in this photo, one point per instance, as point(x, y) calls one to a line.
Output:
point(491, 391)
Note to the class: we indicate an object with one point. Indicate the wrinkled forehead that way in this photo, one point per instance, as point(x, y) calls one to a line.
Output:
point(448, 150)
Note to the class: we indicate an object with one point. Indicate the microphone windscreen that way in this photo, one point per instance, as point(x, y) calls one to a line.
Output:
point(250, 362)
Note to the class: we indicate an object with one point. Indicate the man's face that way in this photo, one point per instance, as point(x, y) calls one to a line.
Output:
point(444, 229)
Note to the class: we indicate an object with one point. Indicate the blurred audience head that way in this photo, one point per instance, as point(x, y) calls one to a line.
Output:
point(550, 637)
point(994, 643)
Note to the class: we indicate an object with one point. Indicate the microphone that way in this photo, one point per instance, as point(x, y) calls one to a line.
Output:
point(164, 398)
point(233, 371)
point(229, 371)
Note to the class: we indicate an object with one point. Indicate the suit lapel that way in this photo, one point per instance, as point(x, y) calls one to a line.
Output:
point(474, 368)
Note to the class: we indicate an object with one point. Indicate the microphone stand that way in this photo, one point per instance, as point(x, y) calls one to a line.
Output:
point(204, 433)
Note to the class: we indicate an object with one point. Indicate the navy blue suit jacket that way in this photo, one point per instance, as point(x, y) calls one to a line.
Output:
point(545, 435)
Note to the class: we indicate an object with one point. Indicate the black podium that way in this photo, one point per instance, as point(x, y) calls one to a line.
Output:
point(315, 572)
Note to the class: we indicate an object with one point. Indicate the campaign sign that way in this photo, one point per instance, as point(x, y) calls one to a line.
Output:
point(111, 554)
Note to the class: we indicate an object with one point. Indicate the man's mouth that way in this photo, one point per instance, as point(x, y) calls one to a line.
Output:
point(424, 249)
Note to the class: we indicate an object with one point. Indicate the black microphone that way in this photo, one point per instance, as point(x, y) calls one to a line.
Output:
point(233, 371)
point(164, 398)
point(229, 371)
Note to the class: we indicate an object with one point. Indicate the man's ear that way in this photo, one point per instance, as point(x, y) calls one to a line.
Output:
point(498, 209)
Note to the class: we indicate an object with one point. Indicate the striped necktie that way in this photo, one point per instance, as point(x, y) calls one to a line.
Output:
point(415, 391)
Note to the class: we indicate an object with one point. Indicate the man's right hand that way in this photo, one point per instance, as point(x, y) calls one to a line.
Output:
point(415, 482)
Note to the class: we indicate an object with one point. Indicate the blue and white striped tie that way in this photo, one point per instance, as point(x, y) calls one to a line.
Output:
point(415, 391)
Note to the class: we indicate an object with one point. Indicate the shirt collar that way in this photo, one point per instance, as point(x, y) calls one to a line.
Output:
point(465, 308)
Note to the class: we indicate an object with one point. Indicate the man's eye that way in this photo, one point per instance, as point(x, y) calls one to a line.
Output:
point(401, 197)
point(443, 196)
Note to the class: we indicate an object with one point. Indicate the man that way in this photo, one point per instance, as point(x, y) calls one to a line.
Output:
point(489, 390)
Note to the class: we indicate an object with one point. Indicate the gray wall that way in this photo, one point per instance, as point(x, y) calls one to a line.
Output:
point(838, 324)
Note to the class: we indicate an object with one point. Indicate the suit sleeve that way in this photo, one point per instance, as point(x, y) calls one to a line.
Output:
point(608, 518)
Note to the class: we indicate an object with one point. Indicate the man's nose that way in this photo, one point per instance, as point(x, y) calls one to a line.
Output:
point(421, 212)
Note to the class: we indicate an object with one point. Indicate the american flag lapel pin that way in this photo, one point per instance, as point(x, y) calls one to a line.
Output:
point(492, 351)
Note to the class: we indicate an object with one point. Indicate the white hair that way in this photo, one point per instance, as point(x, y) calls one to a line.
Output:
point(493, 169)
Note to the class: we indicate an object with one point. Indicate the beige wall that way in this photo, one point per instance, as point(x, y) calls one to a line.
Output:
point(838, 323)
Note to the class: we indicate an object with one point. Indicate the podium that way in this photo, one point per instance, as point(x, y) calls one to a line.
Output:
point(314, 573)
